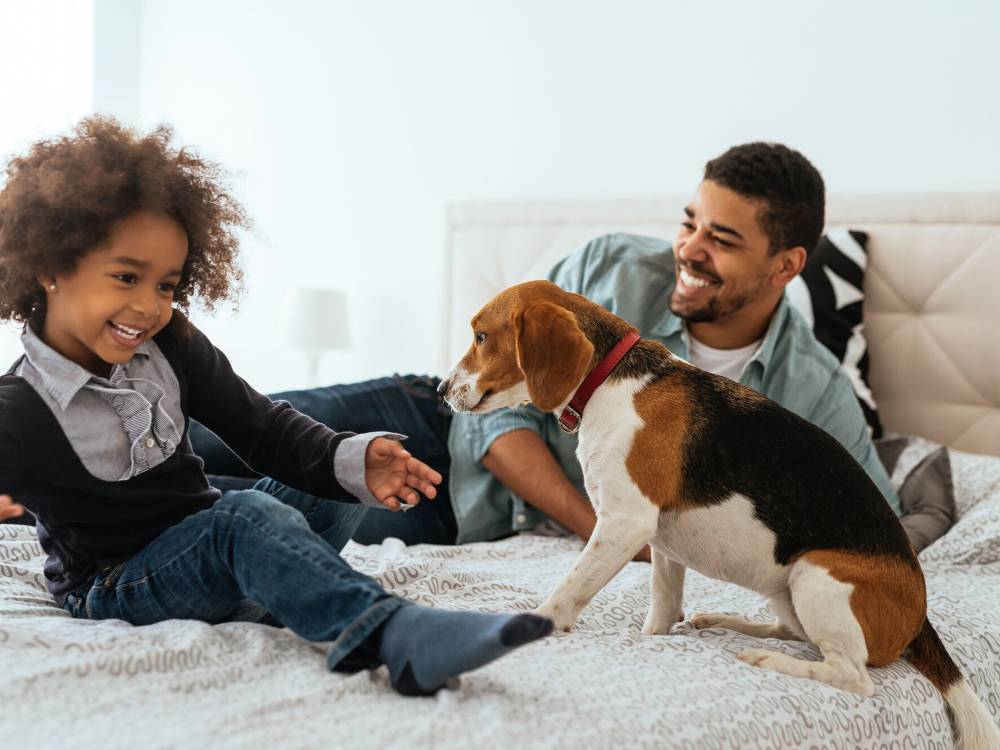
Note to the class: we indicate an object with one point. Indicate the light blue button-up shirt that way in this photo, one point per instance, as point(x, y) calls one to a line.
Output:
point(633, 277)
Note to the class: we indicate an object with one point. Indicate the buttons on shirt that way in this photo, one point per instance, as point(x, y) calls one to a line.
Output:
point(520, 518)
point(150, 442)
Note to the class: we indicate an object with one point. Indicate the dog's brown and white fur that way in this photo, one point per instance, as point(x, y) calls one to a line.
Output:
point(716, 478)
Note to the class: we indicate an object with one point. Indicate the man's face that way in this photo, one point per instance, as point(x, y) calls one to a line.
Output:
point(721, 256)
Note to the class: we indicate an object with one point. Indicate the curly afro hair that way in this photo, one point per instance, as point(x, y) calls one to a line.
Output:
point(788, 185)
point(63, 196)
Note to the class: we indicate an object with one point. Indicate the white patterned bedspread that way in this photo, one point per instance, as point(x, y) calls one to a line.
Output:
point(185, 684)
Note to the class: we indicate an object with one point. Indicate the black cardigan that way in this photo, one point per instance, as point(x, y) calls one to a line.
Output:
point(86, 524)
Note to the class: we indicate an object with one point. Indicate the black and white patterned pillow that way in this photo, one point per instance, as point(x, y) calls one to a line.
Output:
point(829, 294)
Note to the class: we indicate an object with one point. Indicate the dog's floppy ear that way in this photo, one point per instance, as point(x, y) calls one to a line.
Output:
point(552, 352)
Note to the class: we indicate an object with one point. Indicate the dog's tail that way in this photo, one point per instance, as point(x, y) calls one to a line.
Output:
point(974, 728)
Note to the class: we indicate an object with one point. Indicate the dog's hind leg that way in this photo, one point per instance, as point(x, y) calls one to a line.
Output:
point(666, 595)
point(787, 627)
point(624, 526)
point(823, 607)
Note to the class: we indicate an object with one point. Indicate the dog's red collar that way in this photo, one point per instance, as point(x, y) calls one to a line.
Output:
point(569, 420)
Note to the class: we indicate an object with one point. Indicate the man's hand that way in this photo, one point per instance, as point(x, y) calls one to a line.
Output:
point(8, 508)
point(394, 476)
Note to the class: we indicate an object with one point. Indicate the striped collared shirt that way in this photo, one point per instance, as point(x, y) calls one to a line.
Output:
point(142, 427)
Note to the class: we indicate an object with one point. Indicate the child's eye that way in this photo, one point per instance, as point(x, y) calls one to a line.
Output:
point(168, 288)
point(127, 278)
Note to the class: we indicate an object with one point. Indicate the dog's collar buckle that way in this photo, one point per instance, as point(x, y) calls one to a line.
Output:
point(569, 420)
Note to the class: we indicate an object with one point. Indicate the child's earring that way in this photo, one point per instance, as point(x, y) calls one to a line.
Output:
point(52, 287)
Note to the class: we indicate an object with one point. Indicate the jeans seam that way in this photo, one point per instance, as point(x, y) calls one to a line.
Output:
point(312, 511)
point(296, 550)
point(145, 578)
point(277, 486)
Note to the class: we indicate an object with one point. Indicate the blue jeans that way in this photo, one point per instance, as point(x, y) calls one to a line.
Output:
point(270, 545)
point(408, 404)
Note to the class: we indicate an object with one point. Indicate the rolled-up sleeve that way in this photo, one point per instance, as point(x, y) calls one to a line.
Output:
point(349, 465)
point(479, 431)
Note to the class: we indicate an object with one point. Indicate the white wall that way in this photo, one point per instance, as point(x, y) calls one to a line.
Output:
point(352, 125)
point(46, 55)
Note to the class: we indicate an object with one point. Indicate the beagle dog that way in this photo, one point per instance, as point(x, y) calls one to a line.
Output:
point(717, 478)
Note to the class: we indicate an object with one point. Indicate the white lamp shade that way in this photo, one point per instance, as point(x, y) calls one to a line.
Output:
point(318, 321)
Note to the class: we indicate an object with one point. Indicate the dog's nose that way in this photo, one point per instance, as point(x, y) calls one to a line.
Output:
point(443, 386)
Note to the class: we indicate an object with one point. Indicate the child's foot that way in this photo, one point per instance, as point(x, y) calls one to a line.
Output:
point(424, 648)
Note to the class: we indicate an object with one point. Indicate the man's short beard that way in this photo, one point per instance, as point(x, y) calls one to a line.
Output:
point(713, 311)
point(706, 314)
point(717, 309)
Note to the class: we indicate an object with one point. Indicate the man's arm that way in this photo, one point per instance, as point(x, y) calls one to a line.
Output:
point(524, 464)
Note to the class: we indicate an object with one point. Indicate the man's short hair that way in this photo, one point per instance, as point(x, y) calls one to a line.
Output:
point(789, 186)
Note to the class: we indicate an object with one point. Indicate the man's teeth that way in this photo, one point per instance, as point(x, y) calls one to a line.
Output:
point(694, 281)
point(129, 333)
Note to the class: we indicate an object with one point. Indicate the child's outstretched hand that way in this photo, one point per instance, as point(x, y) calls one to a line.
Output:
point(10, 509)
point(394, 476)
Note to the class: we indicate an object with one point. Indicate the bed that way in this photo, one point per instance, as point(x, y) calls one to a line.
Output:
point(930, 314)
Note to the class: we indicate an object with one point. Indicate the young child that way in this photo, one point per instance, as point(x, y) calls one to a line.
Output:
point(105, 238)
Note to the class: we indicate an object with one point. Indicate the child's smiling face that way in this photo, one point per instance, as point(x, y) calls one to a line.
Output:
point(119, 295)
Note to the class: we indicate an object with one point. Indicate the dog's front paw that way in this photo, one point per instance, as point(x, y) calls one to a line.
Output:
point(562, 621)
point(656, 624)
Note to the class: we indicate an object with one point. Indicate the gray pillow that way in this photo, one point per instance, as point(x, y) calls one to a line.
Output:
point(921, 473)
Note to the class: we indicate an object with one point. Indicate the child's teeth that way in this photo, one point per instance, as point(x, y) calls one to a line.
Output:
point(129, 333)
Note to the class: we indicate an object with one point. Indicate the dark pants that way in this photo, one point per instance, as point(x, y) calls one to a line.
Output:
point(269, 553)
point(408, 404)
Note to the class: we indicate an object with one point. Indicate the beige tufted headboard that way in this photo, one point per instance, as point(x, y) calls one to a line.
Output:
point(932, 304)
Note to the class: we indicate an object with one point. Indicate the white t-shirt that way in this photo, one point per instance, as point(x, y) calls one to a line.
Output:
point(726, 362)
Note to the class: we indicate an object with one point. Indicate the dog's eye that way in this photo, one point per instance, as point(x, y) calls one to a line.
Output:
point(480, 338)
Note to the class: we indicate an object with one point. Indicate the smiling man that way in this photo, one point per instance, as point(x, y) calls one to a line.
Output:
point(714, 296)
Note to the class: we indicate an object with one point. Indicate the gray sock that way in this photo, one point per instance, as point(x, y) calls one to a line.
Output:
point(424, 648)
